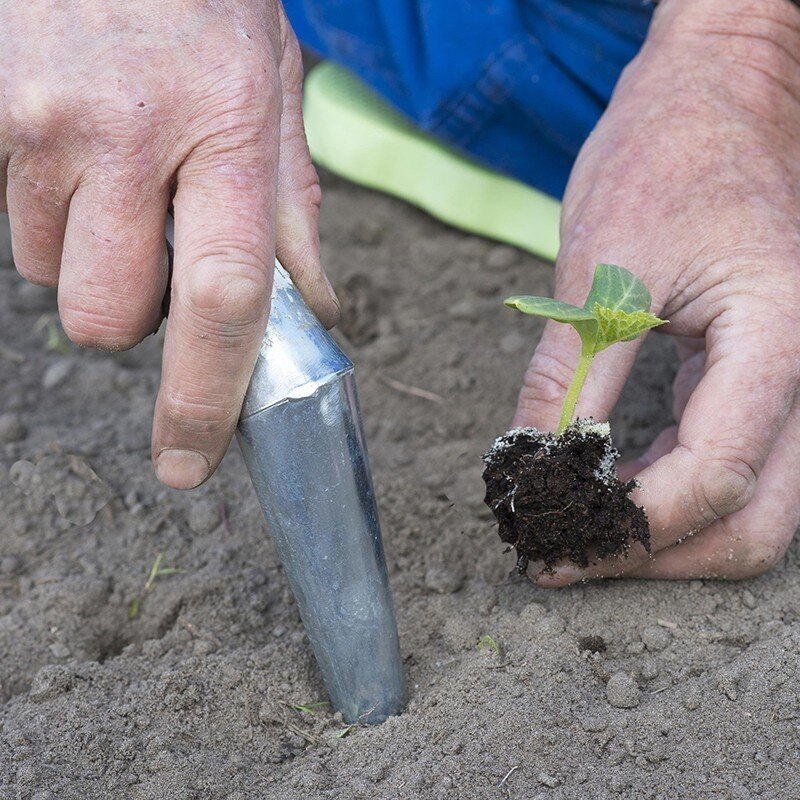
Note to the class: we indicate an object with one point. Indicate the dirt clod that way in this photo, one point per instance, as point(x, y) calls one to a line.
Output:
point(594, 644)
point(655, 638)
point(622, 691)
point(558, 497)
point(11, 427)
point(444, 578)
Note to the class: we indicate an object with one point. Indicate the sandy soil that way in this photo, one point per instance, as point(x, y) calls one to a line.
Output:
point(193, 698)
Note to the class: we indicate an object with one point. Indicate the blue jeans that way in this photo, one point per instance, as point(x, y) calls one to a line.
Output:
point(514, 84)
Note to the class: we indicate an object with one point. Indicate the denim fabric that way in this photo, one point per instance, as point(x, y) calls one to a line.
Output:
point(515, 84)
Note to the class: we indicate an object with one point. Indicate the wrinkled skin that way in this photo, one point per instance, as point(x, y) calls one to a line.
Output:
point(109, 110)
point(692, 180)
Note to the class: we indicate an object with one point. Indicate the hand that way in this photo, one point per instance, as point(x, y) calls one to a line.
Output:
point(110, 109)
point(690, 181)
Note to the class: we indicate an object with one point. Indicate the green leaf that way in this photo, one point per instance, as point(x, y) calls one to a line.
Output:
point(616, 288)
point(585, 322)
point(622, 326)
point(488, 643)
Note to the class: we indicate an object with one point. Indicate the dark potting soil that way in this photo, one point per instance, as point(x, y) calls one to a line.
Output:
point(558, 497)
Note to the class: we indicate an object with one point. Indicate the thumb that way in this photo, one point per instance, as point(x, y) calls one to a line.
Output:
point(299, 194)
point(550, 373)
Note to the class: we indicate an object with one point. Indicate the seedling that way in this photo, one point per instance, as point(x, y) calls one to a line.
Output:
point(156, 571)
point(488, 643)
point(307, 708)
point(56, 341)
point(616, 310)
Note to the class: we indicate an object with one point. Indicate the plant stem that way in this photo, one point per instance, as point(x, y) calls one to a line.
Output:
point(578, 379)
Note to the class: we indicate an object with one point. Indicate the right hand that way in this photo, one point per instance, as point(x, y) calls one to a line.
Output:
point(109, 110)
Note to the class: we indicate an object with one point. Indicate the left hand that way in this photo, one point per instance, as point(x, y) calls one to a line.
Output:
point(690, 181)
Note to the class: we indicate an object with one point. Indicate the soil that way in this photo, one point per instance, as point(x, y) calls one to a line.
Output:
point(559, 497)
point(685, 690)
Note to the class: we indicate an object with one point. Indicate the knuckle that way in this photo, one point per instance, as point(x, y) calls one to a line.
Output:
point(300, 190)
point(247, 81)
point(31, 112)
point(203, 414)
point(726, 485)
point(546, 380)
point(227, 294)
point(291, 60)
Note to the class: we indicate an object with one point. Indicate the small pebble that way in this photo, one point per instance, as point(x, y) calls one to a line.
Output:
point(57, 373)
point(513, 342)
point(60, 650)
point(692, 699)
point(749, 599)
point(551, 781)
point(132, 498)
point(502, 257)
point(622, 691)
point(593, 724)
point(21, 474)
point(204, 516)
point(50, 681)
point(444, 578)
point(10, 565)
point(649, 669)
point(11, 428)
point(202, 647)
point(655, 638)
point(465, 310)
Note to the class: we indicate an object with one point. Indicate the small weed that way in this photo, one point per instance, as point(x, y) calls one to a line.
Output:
point(488, 643)
point(156, 571)
point(308, 708)
point(55, 340)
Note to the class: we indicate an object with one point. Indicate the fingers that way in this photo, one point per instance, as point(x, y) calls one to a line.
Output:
point(299, 195)
point(729, 427)
point(664, 443)
point(751, 541)
point(727, 430)
point(113, 275)
point(224, 255)
point(3, 183)
point(38, 218)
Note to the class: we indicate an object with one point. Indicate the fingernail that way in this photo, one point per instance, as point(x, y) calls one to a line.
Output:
point(331, 291)
point(182, 469)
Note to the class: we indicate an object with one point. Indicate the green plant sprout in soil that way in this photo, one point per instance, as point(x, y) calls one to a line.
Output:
point(557, 496)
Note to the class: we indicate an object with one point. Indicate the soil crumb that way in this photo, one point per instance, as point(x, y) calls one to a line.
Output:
point(559, 497)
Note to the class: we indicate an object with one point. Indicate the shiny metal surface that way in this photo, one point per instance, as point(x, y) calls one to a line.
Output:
point(302, 439)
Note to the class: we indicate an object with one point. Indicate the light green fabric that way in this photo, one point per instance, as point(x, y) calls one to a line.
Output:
point(354, 134)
